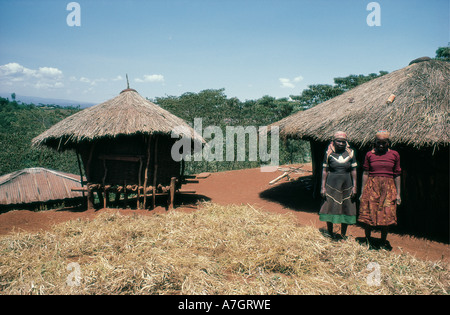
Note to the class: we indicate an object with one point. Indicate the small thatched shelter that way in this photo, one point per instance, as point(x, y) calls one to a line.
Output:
point(413, 104)
point(37, 186)
point(125, 146)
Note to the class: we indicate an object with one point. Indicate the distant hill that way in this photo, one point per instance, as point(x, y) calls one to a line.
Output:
point(46, 101)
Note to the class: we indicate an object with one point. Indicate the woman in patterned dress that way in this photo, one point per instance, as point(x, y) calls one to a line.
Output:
point(338, 185)
point(381, 188)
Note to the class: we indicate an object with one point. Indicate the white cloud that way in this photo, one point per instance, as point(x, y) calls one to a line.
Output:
point(288, 83)
point(41, 78)
point(118, 78)
point(150, 78)
point(45, 85)
point(49, 72)
point(93, 82)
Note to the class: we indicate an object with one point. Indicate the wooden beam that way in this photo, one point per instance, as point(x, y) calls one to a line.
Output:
point(155, 172)
point(139, 185)
point(125, 194)
point(79, 168)
point(173, 181)
point(126, 158)
point(90, 193)
point(146, 170)
point(90, 198)
point(105, 193)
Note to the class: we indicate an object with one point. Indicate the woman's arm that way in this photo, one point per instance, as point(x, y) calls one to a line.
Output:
point(397, 177)
point(364, 181)
point(397, 181)
point(354, 189)
point(323, 189)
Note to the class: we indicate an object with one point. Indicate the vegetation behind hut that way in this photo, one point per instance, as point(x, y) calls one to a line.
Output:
point(19, 123)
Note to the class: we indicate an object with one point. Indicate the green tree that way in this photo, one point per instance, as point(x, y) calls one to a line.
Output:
point(19, 124)
point(443, 53)
point(319, 93)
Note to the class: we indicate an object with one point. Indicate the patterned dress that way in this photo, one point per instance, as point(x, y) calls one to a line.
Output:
point(379, 198)
point(338, 206)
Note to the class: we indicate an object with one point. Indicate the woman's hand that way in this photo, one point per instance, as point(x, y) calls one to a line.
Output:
point(323, 192)
point(399, 200)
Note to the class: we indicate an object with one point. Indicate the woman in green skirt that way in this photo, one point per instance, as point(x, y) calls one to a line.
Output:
point(338, 185)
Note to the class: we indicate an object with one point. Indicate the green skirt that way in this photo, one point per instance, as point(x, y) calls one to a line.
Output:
point(338, 206)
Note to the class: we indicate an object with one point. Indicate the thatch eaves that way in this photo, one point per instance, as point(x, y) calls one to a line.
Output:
point(126, 114)
point(418, 116)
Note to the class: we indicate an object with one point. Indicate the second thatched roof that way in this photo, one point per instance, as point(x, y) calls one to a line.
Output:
point(418, 116)
point(126, 114)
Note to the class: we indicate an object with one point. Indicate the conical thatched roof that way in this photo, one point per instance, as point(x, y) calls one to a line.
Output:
point(126, 114)
point(417, 117)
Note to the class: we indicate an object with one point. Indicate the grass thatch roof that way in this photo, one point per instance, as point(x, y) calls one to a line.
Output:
point(418, 116)
point(126, 114)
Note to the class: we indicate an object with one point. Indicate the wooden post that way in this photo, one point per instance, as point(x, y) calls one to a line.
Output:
point(79, 168)
point(146, 170)
point(183, 168)
point(155, 172)
point(90, 197)
point(138, 206)
point(117, 198)
point(105, 192)
point(173, 181)
point(100, 196)
point(90, 193)
point(125, 194)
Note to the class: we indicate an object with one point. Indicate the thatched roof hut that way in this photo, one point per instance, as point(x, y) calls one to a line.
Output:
point(124, 143)
point(126, 114)
point(418, 116)
point(413, 104)
point(37, 185)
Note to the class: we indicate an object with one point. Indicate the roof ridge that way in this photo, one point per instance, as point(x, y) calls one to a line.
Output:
point(16, 174)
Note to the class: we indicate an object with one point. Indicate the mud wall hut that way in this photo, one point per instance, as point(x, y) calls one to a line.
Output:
point(124, 145)
point(413, 104)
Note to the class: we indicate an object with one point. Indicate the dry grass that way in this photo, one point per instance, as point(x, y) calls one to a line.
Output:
point(215, 250)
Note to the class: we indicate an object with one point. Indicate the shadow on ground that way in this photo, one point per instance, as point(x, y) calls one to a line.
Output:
point(296, 195)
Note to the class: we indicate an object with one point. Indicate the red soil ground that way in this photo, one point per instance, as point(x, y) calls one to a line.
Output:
point(250, 186)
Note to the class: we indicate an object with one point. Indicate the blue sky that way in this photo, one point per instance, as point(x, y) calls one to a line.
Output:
point(251, 48)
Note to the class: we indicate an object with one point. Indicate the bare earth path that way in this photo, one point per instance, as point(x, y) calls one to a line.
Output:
point(250, 186)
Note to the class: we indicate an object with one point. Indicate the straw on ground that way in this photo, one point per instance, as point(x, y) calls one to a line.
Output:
point(214, 250)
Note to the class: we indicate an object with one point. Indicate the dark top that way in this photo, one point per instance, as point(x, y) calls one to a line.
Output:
point(385, 165)
point(339, 163)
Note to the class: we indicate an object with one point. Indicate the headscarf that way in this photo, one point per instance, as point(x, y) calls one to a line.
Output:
point(339, 135)
point(382, 135)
